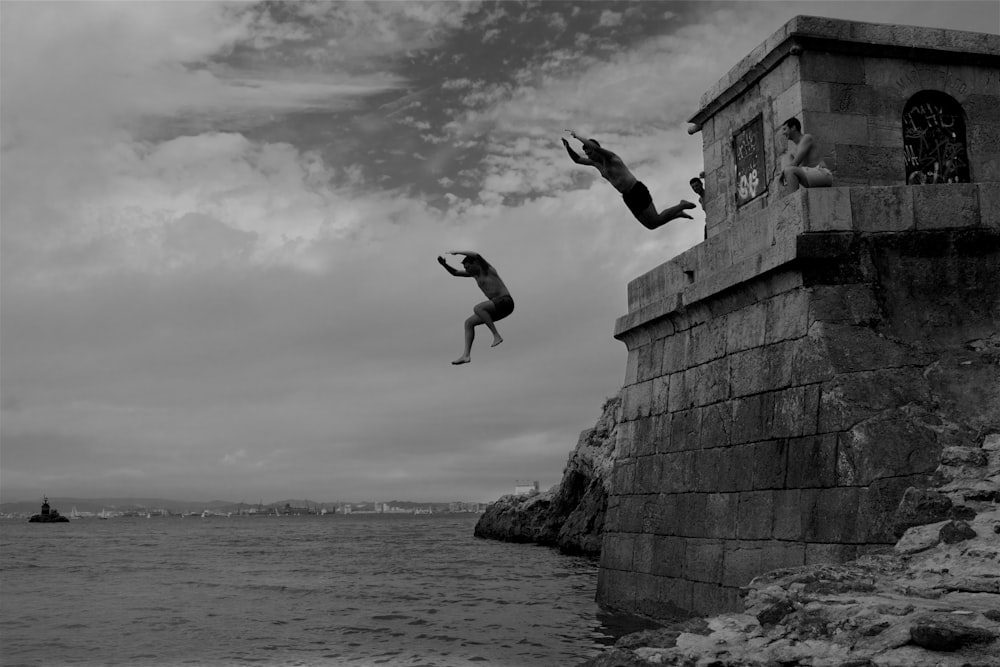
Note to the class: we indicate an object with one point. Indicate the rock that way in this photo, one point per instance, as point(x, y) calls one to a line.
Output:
point(946, 634)
point(956, 531)
point(570, 515)
point(919, 507)
point(956, 456)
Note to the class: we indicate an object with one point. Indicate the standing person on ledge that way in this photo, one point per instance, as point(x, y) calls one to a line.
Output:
point(802, 165)
point(634, 192)
point(500, 303)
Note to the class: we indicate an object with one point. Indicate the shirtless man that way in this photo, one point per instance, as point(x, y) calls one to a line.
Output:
point(635, 194)
point(802, 163)
point(500, 303)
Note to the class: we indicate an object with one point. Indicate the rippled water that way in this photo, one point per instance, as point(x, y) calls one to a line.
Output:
point(355, 590)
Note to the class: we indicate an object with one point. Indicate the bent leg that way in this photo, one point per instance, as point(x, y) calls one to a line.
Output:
point(794, 177)
point(485, 312)
point(650, 219)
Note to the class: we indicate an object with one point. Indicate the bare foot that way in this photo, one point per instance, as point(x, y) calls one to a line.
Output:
point(682, 214)
point(461, 360)
point(686, 204)
point(496, 341)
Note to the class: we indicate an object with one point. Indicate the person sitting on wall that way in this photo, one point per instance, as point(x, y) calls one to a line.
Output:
point(802, 165)
point(635, 194)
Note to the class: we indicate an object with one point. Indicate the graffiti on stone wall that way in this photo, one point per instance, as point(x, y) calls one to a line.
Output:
point(748, 147)
point(934, 142)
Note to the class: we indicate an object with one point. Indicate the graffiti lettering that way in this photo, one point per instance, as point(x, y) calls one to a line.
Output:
point(748, 147)
point(934, 140)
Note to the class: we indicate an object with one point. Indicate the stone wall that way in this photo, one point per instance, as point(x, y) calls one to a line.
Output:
point(779, 422)
point(791, 376)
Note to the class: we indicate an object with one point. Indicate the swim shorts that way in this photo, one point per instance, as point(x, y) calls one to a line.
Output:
point(818, 177)
point(637, 198)
point(502, 306)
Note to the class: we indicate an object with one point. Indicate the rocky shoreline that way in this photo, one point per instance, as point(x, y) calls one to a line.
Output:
point(570, 515)
point(931, 601)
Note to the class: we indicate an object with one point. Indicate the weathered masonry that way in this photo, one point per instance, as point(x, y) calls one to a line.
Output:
point(792, 375)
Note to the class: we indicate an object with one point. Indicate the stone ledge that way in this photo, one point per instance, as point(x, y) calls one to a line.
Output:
point(798, 226)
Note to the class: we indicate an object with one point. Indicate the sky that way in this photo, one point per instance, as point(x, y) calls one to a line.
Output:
point(219, 225)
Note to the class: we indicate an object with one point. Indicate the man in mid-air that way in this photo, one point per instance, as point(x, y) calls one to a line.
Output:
point(634, 192)
point(500, 303)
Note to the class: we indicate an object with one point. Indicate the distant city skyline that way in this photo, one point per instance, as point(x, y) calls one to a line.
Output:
point(218, 271)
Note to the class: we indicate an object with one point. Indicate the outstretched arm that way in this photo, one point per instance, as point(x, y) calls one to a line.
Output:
point(455, 272)
point(576, 157)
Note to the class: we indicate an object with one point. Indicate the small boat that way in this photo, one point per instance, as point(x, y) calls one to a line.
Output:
point(48, 515)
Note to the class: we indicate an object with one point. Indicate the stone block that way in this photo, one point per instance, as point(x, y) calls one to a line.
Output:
point(843, 304)
point(882, 209)
point(777, 554)
point(752, 417)
point(849, 98)
point(703, 560)
point(877, 504)
point(795, 412)
point(676, 597)
point(984, 137)
point(647, 593)
point(786, 316)
point(755, 515)
point(769, 464)
point(704, 470)
point(674, 472)
point(692, 508)
point(616, 553)
point(989, 203)
point(815, 96)
point(745, 328)
point(883, 134)
point(868, 165)
point(710, 382)
point(839, 68)
point(716, 425)
point(664, 426)
point(637, 400)
point(631, 513)
point(837, 128)
point(615, 588)
point(741, 563)
point(674, 357)
point(648, 474)
point(812, 462)
point(661, 394)
point(736, 468)
point(631, 368)
point(859, 348)
point(708, 341)
point(945, 206)
point(892, 445)
point(828, 209)
point(670, 556)
point(684, 427)
point(720, 514)
point(787, 515)
point(986, 166)
point(643, 434)
point(748, 371)
point(660, 515)
point(623, 476)
point(714, 599)
point(831, 515)
point(810, 362)
point(643, 554)
point(851, 398)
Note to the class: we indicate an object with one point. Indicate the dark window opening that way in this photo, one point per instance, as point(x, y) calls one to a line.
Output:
point(934, 141)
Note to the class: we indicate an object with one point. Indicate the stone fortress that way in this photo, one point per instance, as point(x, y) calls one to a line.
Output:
point(792, 375)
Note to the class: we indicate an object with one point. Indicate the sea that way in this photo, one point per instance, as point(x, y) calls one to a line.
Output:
point(360, 590)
